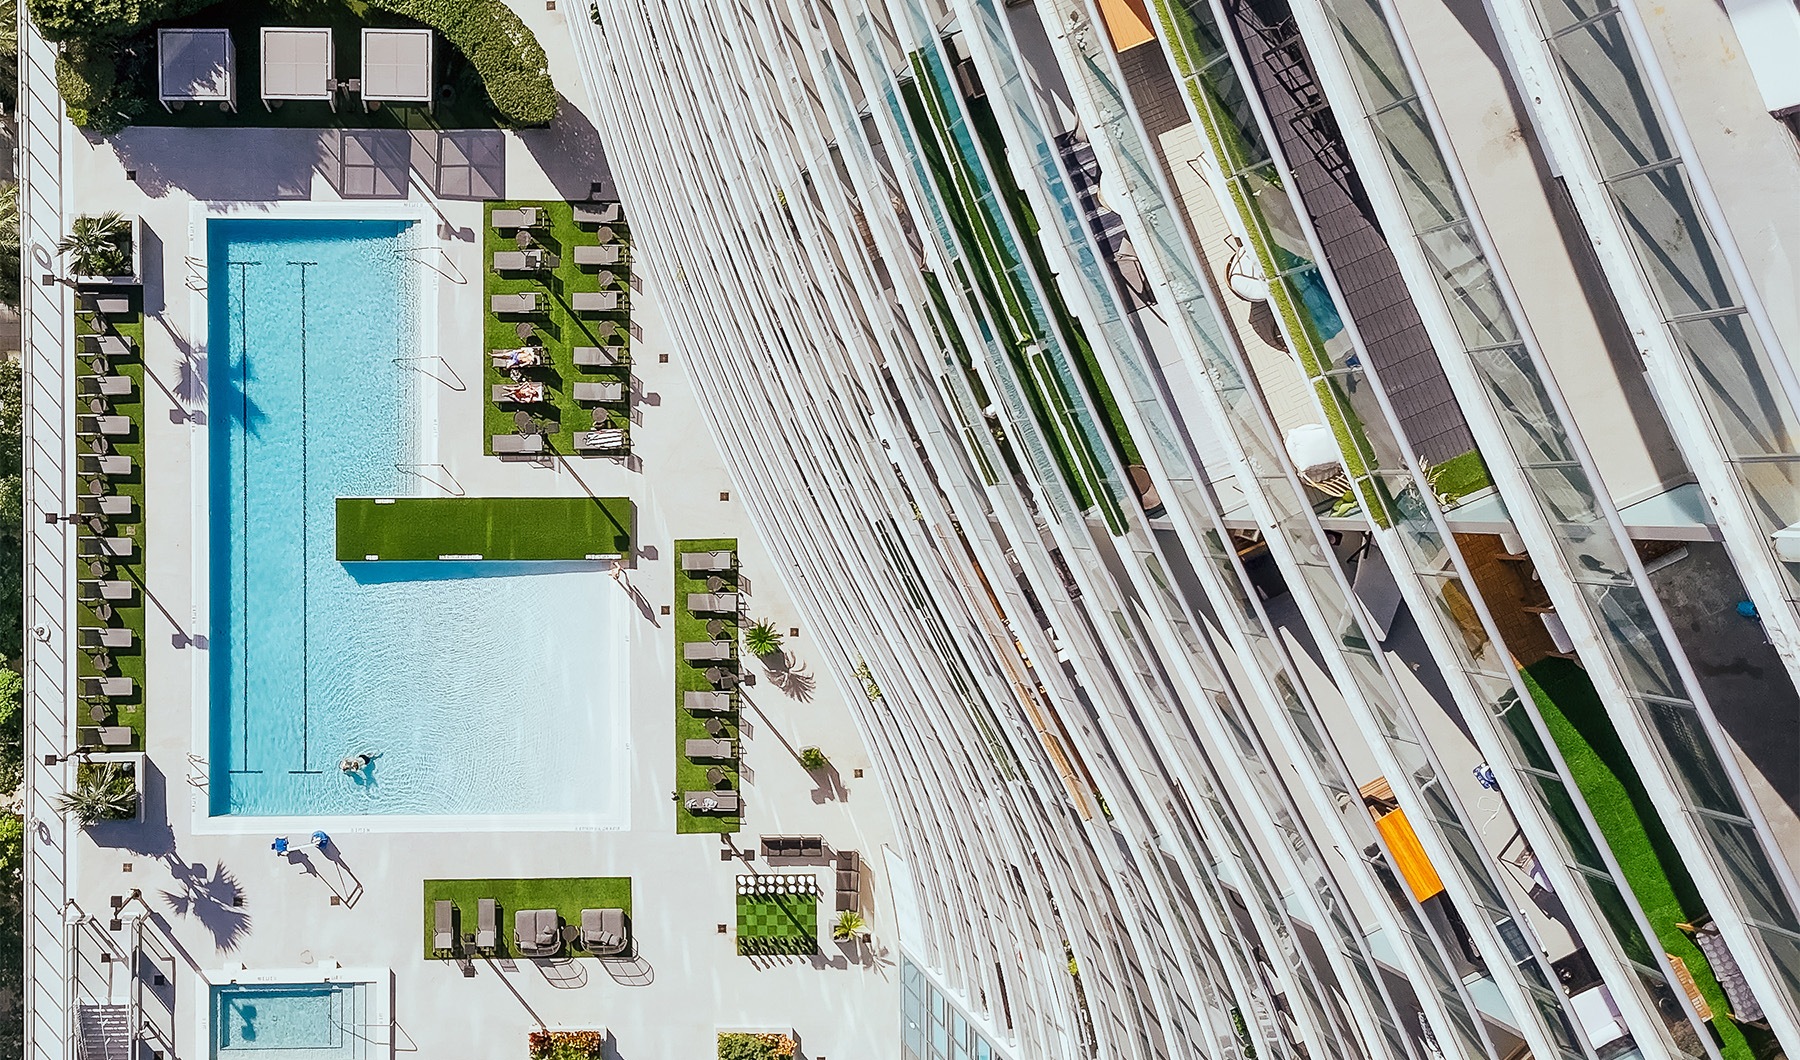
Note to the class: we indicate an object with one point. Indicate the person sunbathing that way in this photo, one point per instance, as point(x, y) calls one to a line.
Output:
point(525, 357)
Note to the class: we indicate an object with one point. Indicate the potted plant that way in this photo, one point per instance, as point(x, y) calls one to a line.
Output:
point(104, 791)
point(103, 248)
point(567, 1045)
point(756, 1045)
point(813, 759)
point(848, 925)
point(763, 639)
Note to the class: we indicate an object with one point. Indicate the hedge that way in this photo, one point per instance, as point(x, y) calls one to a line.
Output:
point(505, 52)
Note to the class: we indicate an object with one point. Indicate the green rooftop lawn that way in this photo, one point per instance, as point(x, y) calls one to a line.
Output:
point(568, 895)
point(559, 330)
point(689, 775)
point(777, 924)
point(1460, 476)
point(498, 528)
point(128, 614)
point(1650, 860)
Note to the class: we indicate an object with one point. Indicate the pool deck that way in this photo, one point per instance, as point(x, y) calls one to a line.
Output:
point(219, 898)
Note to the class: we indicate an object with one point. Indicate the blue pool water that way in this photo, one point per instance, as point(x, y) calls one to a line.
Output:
point(478, 688)
point(291, 1021)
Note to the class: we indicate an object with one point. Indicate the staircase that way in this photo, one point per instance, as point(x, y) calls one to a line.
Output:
point(103, 1032)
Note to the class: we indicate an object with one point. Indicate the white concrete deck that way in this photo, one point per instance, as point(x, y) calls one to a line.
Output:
point(689, 982)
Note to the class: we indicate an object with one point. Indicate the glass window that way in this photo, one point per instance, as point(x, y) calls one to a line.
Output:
point(1748, 867)
point(1739, 386)
point(1674, 244)
point(1635, 643)
point(1523, 405)
point(1693, 759)
point(1774, 488)
point(1468, 286)
point(1418, 168)
point(1616, 110)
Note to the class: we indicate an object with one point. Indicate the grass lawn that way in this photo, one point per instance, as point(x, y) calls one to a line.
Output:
point(1460, 476)
point(1649, 858)
point(560, 330)
point(568, 895)
point(777, 924)
point(501, 528)
point(690, 775)
point(128, 614)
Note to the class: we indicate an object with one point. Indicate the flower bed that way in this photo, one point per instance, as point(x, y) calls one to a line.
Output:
point(567, 1045)
point(765, 1046)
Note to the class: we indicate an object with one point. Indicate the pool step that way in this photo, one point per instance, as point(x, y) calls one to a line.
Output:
point(103, 1033)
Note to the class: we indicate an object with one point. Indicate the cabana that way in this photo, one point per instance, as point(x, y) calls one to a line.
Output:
point(398, 66)
point(196, 66)
point(297, 63)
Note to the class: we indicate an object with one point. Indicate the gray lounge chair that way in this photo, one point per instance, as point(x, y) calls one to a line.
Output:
point(518, 444)
point(707, 702)
point(112, 426)
point(593, 301)
point(107, 345)
point(523, 302)
point(107, 637)
point(531, 260)
point(526, 357)
point(600, 393)
point(114, 465)
point(443, 931)
point(522, 217)
point(106, 687)
point(105, 590)
point(591, 255)
point(104, 385)
point(716, 750)
point(595, 357)
point(718, 559)
point(603, 931)
point(537, 932)
point(486, 935)
point(115, 547)
point(112, 505)
point(104, 736)
point(113, 306)
point(601, 441)
point(603, 213)
point(713, 603)
point(718, 800)
point(708, 651)
point(507, 394)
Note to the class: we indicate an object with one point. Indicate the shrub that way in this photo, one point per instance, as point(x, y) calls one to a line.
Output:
point(755, 1047)
point(813, 759)
point(567, 1045)
point(98, 245)
point(502, 48)
point(105, 792)
point(762, 638)
point(850, 923)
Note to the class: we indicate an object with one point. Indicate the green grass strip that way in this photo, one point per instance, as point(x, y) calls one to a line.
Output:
point(497, 528)
point(689, 627)
point(568, 895)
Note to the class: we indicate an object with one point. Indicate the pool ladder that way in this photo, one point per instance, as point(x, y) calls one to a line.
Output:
point(415, 363)
point(454, 488)
point(196, 771)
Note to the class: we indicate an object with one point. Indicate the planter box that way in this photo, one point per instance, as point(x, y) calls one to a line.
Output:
point(133, 761)
point(600, 1031)
point(135, 269)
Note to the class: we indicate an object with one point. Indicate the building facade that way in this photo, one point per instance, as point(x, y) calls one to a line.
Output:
point(1310, 488)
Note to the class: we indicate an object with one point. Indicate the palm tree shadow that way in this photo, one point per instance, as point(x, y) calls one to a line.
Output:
point(791, 679)
point(212, 897)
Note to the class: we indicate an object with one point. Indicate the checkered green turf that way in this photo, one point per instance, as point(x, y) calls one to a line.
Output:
point(778, 924)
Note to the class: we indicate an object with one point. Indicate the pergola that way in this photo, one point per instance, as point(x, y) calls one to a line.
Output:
point(297, 63)
point(196, 66)
point(398, 66)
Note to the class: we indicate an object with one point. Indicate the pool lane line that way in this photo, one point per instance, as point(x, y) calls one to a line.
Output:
point(305, 640)
point(243, 268)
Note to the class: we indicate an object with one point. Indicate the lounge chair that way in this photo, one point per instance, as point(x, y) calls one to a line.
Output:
point(595, 357)
point(104, 736)
point(713, 701)
point(600, 441)
point(111, 505)
point(508, 393)
point(114, 547)
point(486, 935)
point(518, 444)
point(592, 301)
point(708, 651)
point(111, 426)
point(443, 932)
point(104, 385)
point(590, 255)
point(601, 393)
point(105, 590)
point(522, 217)
point(107, 345)
point(713, 603)
point(531, 260)
point(718, 559)
point(115, 465)
point(604, 213)
point(714, 801)
point(703, 749)
point(603, 931)
point(114, 306)
point(106, 687)
point(537, 932)
point(523, 302)
point(520, 357)
point(106, 637)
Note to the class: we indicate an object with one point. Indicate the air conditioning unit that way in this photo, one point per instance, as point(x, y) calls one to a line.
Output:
point(1787, 543)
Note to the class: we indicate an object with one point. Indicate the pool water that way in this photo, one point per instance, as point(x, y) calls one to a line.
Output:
point(292, 1021)
point(475, 688)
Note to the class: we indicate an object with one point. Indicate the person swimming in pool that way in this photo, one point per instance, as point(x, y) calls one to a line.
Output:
point(356, 763)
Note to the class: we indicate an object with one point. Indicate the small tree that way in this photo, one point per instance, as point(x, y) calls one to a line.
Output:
point(763, 638)
point(104, 792)
point(813, 759)
point(96, 245)
point(848, 925)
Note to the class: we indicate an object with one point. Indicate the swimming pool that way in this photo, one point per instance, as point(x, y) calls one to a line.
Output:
point(476, 688)
point(293, 1021)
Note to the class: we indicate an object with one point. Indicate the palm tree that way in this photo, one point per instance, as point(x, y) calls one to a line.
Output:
point(763, 638)
point(96, 245)
point(848, 925)
point(812, 759)
point(102, 793)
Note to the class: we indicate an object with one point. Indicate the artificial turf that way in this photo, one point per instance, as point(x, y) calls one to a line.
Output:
point(777, 924)
point(689, 627)
point(568, 895)
point(129, 614)
point(497, 528)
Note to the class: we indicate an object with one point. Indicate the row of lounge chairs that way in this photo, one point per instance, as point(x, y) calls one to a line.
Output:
point(525, 303)
point(106, 687)
point(536, 932)
point(537, 259)
point(586, 213)
point(534, 357)
point(606, 440)
point(607, 393)
point(105, 386)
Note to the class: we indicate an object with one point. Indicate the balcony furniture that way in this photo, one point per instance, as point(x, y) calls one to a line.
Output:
point(720, 678)
point(849, 881)
point(603, 931)
point(793, 846)
point(714, 775)
point(537, 932)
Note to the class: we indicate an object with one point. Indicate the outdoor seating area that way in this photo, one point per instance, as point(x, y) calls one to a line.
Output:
point(706, 681)
point(793, 846)
point(542, 919)
point(558, 329)
point(777, 915)
point(108, 513)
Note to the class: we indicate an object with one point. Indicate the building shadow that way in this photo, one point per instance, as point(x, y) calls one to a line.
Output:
point(469, 164)
point(279, 165)
point(366, 163)
point(572, 156)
